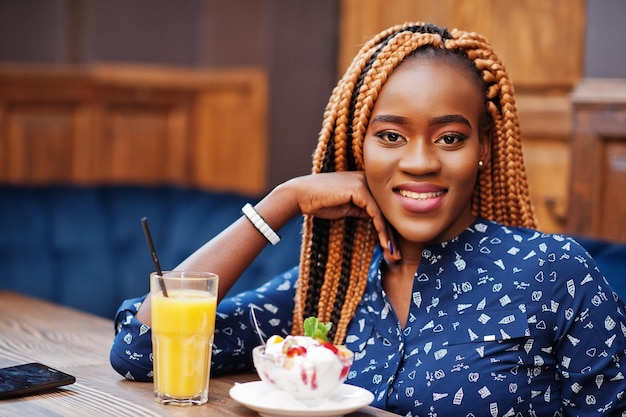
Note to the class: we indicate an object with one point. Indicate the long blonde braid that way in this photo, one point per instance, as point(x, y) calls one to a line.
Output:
point(336, 255)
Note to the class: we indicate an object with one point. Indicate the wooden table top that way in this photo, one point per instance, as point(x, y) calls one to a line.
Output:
point(78, 343)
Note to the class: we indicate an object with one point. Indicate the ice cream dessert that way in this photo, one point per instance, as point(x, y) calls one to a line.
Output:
point(308, 367)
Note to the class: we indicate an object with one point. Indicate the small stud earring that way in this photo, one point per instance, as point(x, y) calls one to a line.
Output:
point(481, 163)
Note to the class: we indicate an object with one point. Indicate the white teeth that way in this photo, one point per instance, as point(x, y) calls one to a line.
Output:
point(419, 196)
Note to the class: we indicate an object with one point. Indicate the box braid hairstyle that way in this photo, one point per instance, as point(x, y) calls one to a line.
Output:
point(336, 254)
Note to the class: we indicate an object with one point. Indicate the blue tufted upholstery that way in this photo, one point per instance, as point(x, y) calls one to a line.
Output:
point(85, 247)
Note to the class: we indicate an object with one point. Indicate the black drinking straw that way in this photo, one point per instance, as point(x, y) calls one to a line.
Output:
point(155, 259)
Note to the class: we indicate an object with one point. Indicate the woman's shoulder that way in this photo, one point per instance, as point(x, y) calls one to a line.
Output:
point(486, 230)
point(526, 244)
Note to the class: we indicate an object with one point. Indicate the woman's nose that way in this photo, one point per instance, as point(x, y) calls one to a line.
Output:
point(419, 158)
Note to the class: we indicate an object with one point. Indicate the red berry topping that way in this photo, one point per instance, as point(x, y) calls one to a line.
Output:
point(296, 351)
point(330, 346)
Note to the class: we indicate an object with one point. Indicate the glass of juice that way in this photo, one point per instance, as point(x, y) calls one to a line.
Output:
point(183, 323)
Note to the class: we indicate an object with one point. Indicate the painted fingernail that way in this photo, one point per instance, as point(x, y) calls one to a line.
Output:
point(390, 247)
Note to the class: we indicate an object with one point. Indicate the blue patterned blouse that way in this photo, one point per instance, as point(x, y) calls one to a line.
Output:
point(503, 322)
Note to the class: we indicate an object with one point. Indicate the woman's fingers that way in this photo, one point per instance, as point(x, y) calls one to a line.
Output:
point(343, 194)
point(385, 235)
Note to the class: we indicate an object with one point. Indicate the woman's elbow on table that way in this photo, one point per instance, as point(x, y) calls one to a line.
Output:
point(131, 352)
point(129, 361)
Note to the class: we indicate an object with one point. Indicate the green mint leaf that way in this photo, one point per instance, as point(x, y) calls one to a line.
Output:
point(316, 329)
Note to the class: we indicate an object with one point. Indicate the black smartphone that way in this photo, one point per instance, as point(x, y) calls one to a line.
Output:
point(31, 378)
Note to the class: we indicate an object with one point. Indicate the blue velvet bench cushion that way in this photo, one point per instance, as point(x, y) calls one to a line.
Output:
point(85, 247)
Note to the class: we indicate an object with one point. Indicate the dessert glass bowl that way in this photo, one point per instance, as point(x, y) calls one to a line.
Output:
point(307, 377)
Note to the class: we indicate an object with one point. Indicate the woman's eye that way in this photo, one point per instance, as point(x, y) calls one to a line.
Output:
point(390, 137)
point(451, 139)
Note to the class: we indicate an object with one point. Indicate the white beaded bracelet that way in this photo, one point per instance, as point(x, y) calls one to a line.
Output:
point(260, 224)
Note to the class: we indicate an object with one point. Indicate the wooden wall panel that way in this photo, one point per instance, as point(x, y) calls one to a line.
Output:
point(612, 224)
point(546, 126)
point(540, 42)
point(548, 170)
point(229, 131)
point(39, 142)
point(156, 135)
point(134, 125)
point(598, 178)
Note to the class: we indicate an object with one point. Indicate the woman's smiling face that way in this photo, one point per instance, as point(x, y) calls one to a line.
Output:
point(422, 148)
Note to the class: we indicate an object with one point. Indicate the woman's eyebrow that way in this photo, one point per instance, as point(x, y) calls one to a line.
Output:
point(384, 118)
point(450, 119)
point(436, 121)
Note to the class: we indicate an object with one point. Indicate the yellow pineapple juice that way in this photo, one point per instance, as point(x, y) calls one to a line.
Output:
point(183, 324)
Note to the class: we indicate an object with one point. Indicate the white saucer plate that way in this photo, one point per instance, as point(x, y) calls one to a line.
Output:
point(271, 402)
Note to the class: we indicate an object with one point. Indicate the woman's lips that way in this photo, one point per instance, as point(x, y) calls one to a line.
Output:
point(422, 201)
